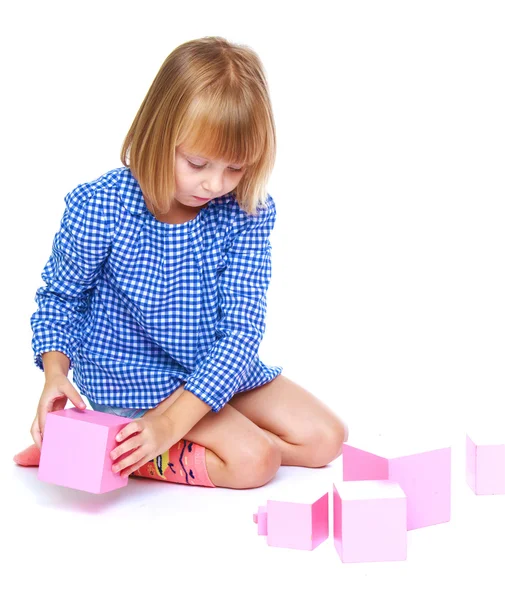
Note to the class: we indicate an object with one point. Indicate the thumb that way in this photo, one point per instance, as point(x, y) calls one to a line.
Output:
point(36, 433)
point(73, 396)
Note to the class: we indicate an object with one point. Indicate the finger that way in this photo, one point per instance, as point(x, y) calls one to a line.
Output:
point(133, 468)
point(41, 417)
point(73, 395)
point(128, 461)
point(35, 431)
point(57, 403)
point(132, 443)
point(130, 429)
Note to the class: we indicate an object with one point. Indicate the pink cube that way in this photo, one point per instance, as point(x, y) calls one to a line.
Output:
point(260, 518)
point(369, 521)
point(76, 450)
point(296, 525)
point(485, 463)
point(424, 475)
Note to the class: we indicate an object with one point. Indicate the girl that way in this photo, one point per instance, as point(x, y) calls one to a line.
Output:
point(155, 291)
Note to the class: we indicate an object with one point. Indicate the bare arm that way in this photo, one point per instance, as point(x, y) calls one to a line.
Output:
point(55, 363)
point(184, 413)
point(156, 433)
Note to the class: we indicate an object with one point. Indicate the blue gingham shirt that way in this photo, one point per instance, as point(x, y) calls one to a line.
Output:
point(140, 306)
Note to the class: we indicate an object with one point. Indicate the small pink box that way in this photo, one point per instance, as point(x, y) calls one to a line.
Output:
point(76, 450)
point(485, 464)
point(369, 521)
point(260, 518)
point(295, 525)
point(424, 474)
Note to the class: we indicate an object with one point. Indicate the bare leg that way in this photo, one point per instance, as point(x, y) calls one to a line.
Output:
point(239, 454)
point(308, 433)
point(301, 429)
point(258, 430)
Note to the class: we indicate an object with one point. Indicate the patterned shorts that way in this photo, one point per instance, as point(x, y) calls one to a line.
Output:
point(129, 413)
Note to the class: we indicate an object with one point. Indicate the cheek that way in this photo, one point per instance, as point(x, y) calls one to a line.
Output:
point(184, 180)
point(235, 180)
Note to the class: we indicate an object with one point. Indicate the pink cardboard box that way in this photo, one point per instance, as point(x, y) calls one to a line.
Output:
point(76, 450)
point(485, 461)
point(300, 525)
point(422, 470)
point(369, 521)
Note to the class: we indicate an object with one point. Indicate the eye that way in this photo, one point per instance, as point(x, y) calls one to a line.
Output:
point(202, 166)
point(195, 166)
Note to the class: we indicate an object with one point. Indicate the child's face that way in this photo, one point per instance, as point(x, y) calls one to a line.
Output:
point(199, 176)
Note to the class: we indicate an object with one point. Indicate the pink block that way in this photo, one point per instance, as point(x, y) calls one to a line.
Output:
point(261, 519)
point(485, 466)
point(369, 521)
point(425, 476)
point(296, 525)
point(76, 450)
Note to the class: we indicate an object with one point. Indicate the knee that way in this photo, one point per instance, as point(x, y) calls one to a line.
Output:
point(326, 444)
point(258, 463)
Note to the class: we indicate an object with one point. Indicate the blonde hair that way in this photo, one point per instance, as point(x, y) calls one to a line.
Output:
point(212, 96)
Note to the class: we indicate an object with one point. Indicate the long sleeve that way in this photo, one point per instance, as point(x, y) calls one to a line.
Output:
point(79, 250)
point(242, 290)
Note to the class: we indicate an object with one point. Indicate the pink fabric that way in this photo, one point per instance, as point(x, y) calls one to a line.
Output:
point(182, 463)
point(29, 457)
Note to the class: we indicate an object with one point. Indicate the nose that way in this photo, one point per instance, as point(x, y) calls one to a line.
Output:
point(213, 183)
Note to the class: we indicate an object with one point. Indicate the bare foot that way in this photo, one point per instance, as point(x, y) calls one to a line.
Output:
point(29, 457)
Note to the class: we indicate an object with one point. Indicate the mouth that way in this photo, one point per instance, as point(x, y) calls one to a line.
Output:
point(201, 199)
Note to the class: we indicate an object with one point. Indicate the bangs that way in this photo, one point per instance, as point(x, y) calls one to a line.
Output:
point(227, 128)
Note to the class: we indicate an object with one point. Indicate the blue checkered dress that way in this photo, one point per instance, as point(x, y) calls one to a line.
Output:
point(140, 306)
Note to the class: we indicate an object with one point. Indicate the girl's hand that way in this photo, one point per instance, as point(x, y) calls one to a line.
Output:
point(143, 440)
point(57, 390)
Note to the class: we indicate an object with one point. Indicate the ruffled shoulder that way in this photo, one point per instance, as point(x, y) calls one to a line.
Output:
point(116, 185)
point(227, 217)
point(129, 191)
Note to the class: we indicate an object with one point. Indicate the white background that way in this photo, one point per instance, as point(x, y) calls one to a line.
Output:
point(387, 299)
